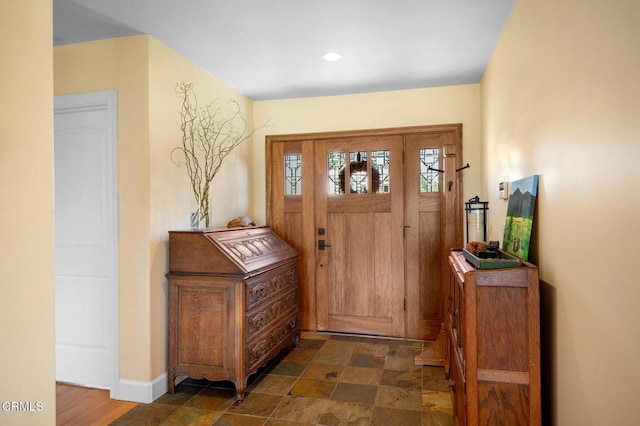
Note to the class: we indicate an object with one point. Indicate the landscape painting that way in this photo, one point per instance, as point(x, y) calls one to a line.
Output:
point(517, 228)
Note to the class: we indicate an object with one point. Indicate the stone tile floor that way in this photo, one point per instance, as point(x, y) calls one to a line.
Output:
point(327, 380)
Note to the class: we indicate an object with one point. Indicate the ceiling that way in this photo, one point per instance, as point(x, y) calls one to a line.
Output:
point(272, 49)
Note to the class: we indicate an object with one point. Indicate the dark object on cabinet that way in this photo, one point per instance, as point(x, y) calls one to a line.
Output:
point(233, 303)
point(493, 356)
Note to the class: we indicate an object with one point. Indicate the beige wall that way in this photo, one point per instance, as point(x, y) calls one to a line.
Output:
point(441, 105)
point(561, 99)
point(122, 64)
point(26, 215)
point(171, 199)
point(154, 194)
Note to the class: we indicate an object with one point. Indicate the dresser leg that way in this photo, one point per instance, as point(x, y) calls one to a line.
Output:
point(241, 386)
point(172, 386)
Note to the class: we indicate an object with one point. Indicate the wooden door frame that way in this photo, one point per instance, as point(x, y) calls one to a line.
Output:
point(307, 291)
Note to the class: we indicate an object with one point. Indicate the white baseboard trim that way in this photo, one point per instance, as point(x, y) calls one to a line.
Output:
point(143, 392)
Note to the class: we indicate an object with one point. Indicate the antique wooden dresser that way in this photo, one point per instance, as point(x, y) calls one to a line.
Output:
point(233, 303)
point(493, 333)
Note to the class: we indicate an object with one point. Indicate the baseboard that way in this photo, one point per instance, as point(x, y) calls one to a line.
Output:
point(143, 392)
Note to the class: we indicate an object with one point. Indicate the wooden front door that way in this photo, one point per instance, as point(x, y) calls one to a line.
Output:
point(359, 257)
point(385, 219)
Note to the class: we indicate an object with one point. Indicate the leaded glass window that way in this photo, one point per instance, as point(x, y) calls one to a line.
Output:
point(358, 172)
point(380, 172)
point(335, 165)
point(293, 174)
point(429, 178)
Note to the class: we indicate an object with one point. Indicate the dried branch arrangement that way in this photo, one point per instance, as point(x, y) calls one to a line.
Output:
point(208, 136)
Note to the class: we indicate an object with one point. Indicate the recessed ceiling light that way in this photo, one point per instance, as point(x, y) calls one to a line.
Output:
point(332, 56)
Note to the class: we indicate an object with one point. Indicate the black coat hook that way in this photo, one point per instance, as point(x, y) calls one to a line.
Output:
point(435, 170)
point(463, 167)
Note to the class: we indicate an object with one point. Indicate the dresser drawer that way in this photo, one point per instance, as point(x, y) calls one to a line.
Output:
point(261, 318)
point(457, 384)
point(270, 285)
point(272, 340)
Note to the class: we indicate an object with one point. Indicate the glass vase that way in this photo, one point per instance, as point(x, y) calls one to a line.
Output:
point(199, 221)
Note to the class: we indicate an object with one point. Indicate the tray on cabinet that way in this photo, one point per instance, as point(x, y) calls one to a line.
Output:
point(505, 261)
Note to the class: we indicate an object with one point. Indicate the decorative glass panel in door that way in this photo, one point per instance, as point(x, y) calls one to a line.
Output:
point(429, 169)
point(358, 172)
point(380, 171)
point(335, 172)
point(293, 174)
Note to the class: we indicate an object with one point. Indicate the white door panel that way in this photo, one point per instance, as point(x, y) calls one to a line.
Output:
point(86, 229)
point(80, 198)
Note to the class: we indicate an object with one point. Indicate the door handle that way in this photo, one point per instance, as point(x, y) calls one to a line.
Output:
point(322, 245)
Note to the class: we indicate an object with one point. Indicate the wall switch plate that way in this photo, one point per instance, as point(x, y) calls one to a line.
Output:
point(503, 188)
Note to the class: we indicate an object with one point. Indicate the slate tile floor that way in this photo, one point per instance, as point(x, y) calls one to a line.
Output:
point(327, 380)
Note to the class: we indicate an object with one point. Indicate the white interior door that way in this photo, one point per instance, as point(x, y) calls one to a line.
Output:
point(86, 238)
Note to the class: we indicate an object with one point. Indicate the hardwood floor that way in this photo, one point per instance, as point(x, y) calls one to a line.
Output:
point(76, 405)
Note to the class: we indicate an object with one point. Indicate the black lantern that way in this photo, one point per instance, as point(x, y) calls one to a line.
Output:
point(476, 219)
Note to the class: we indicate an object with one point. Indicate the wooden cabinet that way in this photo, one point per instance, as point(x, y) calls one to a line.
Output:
point(233, 303)
point(493, 347)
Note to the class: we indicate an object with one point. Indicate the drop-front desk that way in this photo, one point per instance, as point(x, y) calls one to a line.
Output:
point(233, 303)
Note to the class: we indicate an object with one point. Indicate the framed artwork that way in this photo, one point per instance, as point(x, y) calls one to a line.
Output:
point(517, 227)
